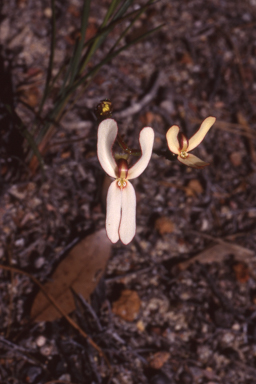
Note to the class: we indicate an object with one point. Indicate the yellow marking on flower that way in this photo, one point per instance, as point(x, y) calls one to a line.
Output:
point(183, 154)
point(121, 183)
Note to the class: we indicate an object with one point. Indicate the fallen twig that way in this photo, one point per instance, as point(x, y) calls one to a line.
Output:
point(23, 352)
point(236, 129)
point(59, 309)
point(136, 107)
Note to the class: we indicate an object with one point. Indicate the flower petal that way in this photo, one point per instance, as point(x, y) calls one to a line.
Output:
point(146, 140)
point(114, 201)
point(107, 133)
point(128, 220)
point(200, 134)
point(193, 161)
point(172, 139)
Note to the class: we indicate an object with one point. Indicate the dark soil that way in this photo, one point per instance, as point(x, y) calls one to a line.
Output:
point(192, 261)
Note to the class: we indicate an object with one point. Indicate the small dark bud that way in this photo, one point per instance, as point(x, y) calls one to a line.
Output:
point(104, 110)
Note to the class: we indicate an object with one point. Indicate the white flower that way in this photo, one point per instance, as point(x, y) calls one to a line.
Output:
point(121, 198)
point(180, 145)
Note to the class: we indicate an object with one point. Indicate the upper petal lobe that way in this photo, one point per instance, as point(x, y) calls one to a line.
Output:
point(200, 134)
point(172, 139)
point(146, 140)
point(107, 133)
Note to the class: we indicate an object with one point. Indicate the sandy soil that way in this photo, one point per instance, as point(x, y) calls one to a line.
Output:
point(178, 304)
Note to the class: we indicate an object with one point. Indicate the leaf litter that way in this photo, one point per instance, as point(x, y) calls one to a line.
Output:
point(204, 317)
point(80, 270)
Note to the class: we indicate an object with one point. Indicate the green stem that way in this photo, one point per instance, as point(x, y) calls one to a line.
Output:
point(126, 149)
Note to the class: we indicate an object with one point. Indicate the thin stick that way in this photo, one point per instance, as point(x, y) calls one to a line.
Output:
point(236, 129)
point(59, 382)
point(59, 309)
point(137, 107)
point(11, 293)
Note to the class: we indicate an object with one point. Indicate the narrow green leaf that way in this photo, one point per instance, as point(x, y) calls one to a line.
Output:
point(123, 9)
point(84, 25)
point(77, 64)
point(109, 57)
point(110, 11)
point(112, 25)
point(99, 41)
point(51, 58)
point(69, 90)
point(124, 33)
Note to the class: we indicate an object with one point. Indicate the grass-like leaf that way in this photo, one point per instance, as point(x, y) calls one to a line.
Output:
point(79, 48)
point(111, 56)
point(102, 37)
point(124, 33)
point(73, 71)
point(51, 58)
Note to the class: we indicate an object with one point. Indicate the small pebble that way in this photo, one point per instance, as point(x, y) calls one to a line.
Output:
point(228, 338)
point(236, 327)
point(65, 377)
point(48, 12)
point(40, 341)
point(39, 262)
point(140, 326)
point(19, 242)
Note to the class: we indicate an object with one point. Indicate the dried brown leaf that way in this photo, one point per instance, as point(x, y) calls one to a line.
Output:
point(30, 95)
point(194, 188)
point(158, 359)
point(81, 270)
point(127, 306)
point(218, 253)
point(164, 225)
point(242, 272)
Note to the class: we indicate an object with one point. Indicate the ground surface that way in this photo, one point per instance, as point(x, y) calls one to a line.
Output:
point(178, 304)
